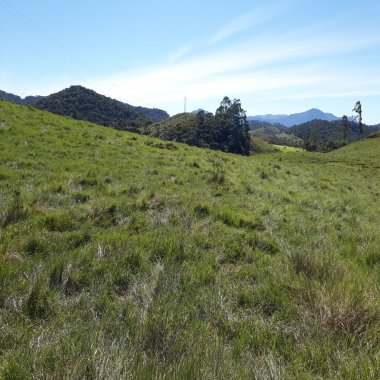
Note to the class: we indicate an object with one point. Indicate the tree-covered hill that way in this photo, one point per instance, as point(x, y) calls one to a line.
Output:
point(185, 128)
point(153, 114)
point(257, 124)
point(84, 104)
point(200, 130)
point(73, 96)
point(316, 135)
point(327, 135)
point(226, 131)
point(126, 257)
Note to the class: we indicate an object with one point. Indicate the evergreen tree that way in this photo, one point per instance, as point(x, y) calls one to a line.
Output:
point(233, 127)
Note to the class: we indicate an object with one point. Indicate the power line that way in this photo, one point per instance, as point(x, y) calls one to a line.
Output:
point(55, 42)
point(37, 52)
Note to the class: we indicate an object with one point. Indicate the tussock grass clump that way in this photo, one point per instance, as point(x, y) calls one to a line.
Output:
point(218, 171)
point(38, 304)
point(36, 245)
point(16, 210)
point(61, 221)
point(202, 210)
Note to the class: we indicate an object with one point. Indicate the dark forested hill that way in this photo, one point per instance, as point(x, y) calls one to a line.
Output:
point(84, 104)
point(72, 96)
point(153, 114)
point(327, 135)
point(258, 124)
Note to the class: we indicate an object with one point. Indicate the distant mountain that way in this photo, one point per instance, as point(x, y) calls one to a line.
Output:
point(202, 110)
point(152, 114)
point(296, 118)
point(29, 100)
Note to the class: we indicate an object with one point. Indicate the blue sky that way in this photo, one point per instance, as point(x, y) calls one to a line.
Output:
point(275, 56)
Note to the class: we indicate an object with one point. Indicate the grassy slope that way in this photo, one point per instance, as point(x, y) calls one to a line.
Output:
point(276, 135)
point(123, 256)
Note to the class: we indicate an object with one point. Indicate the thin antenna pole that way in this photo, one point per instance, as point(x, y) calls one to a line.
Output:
point(184, 104)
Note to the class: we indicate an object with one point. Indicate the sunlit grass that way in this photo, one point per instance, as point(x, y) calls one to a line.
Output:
point(123, 256)
point(287, 149)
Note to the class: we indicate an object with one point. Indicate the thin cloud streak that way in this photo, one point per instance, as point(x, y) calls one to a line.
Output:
point(181, 52)
point(249, 20)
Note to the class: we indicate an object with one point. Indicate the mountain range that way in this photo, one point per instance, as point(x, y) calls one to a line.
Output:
point(152, 114)
point(296, 118)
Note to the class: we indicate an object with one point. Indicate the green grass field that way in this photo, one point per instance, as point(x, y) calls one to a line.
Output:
point(123, 256)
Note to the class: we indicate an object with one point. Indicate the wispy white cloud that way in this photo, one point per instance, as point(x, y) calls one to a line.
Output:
point(249, 20)
point(180, 53)
point(287, 66)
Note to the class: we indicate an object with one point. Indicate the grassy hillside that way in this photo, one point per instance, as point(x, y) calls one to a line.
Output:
point(123, 256)
point(273, 134)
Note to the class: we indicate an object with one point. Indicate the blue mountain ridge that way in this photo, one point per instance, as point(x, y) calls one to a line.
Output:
point(296, 118)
